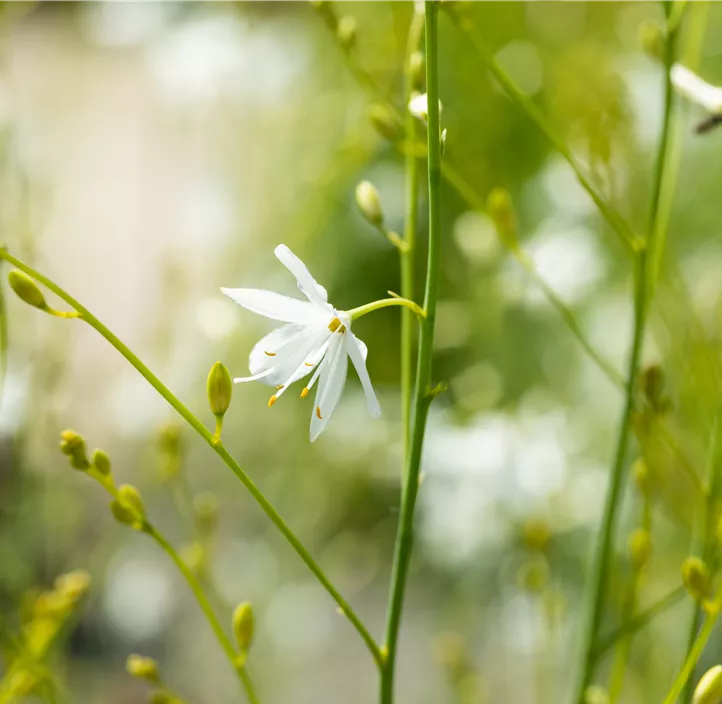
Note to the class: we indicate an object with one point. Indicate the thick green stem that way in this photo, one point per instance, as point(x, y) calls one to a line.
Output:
point(355, 313)
point(211, 440)
point(422, 389)
point(208, 612)
point(408, 324)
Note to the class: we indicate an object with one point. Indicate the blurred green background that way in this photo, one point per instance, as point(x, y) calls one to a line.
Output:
point(154, 152)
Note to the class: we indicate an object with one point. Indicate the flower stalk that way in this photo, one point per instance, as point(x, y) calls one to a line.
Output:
point(422, 395)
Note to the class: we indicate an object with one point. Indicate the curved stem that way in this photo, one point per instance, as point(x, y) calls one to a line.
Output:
point(355, 313)
point(422, 395)
point(207, 609)
point(210, 439)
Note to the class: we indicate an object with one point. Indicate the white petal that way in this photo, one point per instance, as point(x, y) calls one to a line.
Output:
point(358, 351)
point(306, 283)
point(698, 91)
point(276, 343)
point(306, 360)
point(276, 306)
point(330, 385)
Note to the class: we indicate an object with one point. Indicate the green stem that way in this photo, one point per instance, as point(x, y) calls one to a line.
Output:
point(703, 544)
point(215, 444)
point(628, 237)
point(355, 313)
point(410, 226)
point(422, 395)
point(207, 609)
point(603, 547)
point(694, 655)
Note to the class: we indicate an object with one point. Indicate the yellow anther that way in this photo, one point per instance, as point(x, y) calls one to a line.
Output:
point(308, 364)
point(334, 325)
point(304, 393)
point(279, 387)
point(318, 412)
point(272, 400)
point(270, 354)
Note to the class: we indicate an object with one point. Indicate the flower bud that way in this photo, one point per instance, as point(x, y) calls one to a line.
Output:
point(163, 696)
point(142, 667)
point(367, 199)
point(220, 389)
point(696, 578)
point(653, 384)
point(26, 289)
point(128, 507)
point(73, 585)
point(709, 688)
point(101, 462)
point(596, 695)
point(642, 477)
point(386, 122)
point(194, 555)
point(72, 445)
point(416, 67)
point(169, 438)
point(640, 548)
point(536, 535)
point(501, 211)
point(346, 32)
point(651, 39)
point(205, 508)
point(243, 626)
point(533, 576)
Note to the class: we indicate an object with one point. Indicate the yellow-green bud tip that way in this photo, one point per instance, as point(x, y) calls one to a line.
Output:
point(709, 688)
point(142, 667)
point(369, 203)
point(640, 548)
point(72, 445)
point(101, 462)
point(696, 578)
point(243, 626)
point(128, 507)
point(220, 389)
point(346, 32)
point(26, 289)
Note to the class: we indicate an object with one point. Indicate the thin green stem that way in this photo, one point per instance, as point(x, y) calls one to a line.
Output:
point(356, 313)
point(603, 548)
point(411, 225)
point(627, 236)
point(214, 443)
point(208, 612)
point(422, 395)
point(694, 655)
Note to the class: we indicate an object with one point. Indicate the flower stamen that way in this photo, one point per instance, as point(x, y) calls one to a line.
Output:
point(304, 393)
point(270, 354)
point(279, 387)
point(334, 325)
point(308, 364)
point(318, 412)
point(272, 400)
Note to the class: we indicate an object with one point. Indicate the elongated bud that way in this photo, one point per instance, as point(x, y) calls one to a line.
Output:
point(128, 507)
point(26, 289)
point(386, 122)
point(709, 688)
point(642, 477)
point(416, 67)
point(640, 548)
point(651, 39)
point(220, 389)
point(205, 509)
point(536, 535)
point(696, 578)
point(73, 585)
point(346, 32)
point(72, 445)
point(501, 211)
point(101, 462)
point(369, 203)
point(142, 667)
point(653, 384)
point(596, 695)
point(243, 626)
point(195, 556)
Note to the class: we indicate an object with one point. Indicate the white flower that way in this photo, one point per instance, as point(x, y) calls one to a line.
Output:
point(691, 86)
point(419, 107)
point(316, 338)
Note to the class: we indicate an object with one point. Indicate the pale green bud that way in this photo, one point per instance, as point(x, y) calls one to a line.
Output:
point(709, 688)
point(642, 477)
point(501, 211)
point(220, 389)
point(101, 462)
point(205, 508)
point(72, 445)
point(194, 555)
point(346, 32)
point(596, 695)
point(73, 585)
point(26, 289)
point(368, 201)
point(142, 667)
point(640, 548)
point(696, 578)
point(243, 626)
point(536, 535)
point(416, 67)
point(386, 122)
point(128, 507)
